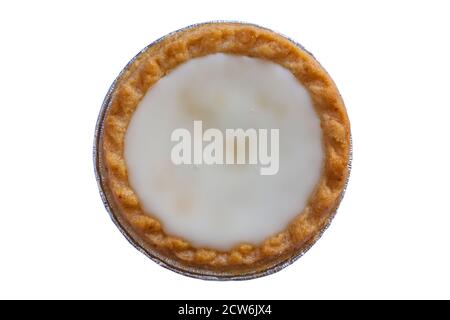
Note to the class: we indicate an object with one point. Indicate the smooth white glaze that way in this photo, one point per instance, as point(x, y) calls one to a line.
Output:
point(220, 206)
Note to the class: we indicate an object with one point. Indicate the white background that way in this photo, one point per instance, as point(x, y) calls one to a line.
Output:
point(391, 62)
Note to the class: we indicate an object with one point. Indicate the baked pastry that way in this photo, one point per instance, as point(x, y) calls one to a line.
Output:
point(223, 219)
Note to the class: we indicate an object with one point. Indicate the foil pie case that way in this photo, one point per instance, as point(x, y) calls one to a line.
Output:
point(160, 259)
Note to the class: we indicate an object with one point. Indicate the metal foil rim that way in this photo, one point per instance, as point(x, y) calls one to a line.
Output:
point(186, 270)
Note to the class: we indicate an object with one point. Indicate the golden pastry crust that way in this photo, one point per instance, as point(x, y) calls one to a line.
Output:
point(234, 38)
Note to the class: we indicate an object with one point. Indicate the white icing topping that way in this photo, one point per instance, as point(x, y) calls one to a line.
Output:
point(220, 206)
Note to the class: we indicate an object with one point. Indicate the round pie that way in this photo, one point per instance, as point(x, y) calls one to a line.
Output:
point(223, 150)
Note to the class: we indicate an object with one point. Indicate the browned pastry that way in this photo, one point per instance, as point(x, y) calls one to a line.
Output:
point(157, 61)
